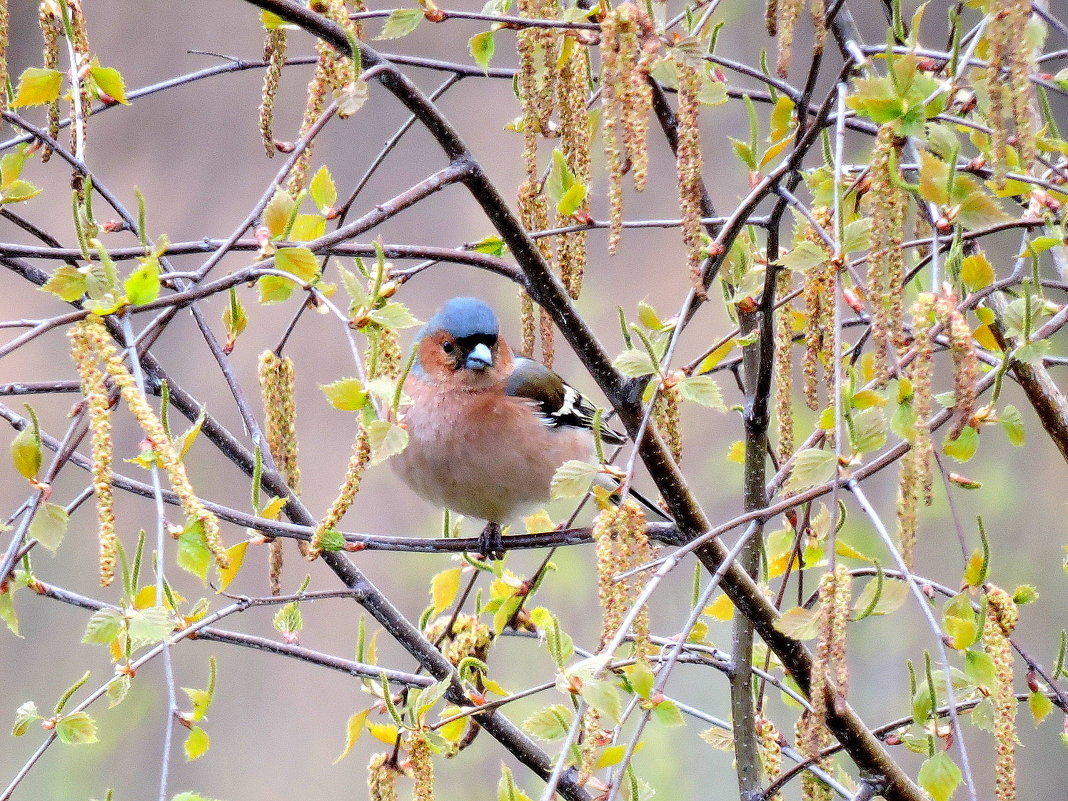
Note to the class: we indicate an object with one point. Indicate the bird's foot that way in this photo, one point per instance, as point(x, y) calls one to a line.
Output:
point(491, 542)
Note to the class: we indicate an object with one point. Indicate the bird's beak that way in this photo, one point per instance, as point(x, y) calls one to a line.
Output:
point(479, 358)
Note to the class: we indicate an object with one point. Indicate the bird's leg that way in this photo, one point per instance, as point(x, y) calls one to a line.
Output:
point(491, 543)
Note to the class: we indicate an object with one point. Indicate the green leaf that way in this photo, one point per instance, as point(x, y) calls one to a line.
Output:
point(109, 81)
point(603, 696)
point(67, 283)
point(641, 678)
point(856, 235)
point(702, 389)
point(868, 431)
point(798, 623)
point(1012, 424)
point(19, 191)
point(934, 176)
point(980, 668)
point(1040, 244)
point(963, 447)
point(104, 626)
point(37, 86)
point(49, 525)
point(11, 165)
point(804, 256)
point(76, 728)
point(289, 620)
point(427, 697)
point(386, 438)
point(299, 261)
point(491, 245)
point(812, 466)
point(196, 744)
point(1024, 594)
point(143, 284)
point(572, 479)
point(193, 554)
point(939, 776)
point(482, 47)
point(118, 690)
point(24, 716)
point(345, 394)
point(648, 317)
point(560, 179)
point(274, 288)
point(401, 22)
point(572, 199)
point(980, 210)
point(200, 699)
point(1039, 705)
point(332, 540)
point(26, 453)
point(394, 315)
point(7, 610)
point(150, 626)
point(507, 790)
point(550, 723)
point(667, 713)
point(891, 599)
point(960, 622)
point(744, 152)
point(634, 363)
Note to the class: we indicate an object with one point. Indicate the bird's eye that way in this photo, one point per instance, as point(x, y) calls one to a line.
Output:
point(448, 347)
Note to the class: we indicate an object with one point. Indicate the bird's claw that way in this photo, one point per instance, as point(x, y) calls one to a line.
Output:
point(491, 543)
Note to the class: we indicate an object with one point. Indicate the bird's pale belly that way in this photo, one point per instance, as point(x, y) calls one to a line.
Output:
point(467, 469)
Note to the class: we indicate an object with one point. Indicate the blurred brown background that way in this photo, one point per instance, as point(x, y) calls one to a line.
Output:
point(276, 725)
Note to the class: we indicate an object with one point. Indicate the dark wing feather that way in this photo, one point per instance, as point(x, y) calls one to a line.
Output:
point(555, 401)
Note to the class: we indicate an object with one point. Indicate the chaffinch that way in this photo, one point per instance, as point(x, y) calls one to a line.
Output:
point(487, 429)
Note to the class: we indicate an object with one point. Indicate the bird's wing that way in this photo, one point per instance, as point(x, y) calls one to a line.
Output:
point(556, 402)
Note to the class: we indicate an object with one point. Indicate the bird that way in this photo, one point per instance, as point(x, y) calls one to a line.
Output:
point(488, 428)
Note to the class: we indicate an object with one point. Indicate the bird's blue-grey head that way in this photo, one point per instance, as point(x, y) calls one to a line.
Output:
point(468, 329)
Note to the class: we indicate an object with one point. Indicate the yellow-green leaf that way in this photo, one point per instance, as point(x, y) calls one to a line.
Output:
point(109, 81)
point(76, 728)
point(939, 776)
point(143, 284)
point(353, 729)
point(401, 22)
point(236, 556)
point(346, 394)
point(798, 623)
point(386, 438)
point(299, 261)
point(37, 86)
point(482, 47)
point(572, 479)
point(67, 283)
point(277, 212)
point(49, 525)
point(976, 272)
point(26, 453)
point(322, 189)
point(444, 587)
point(196, 744)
